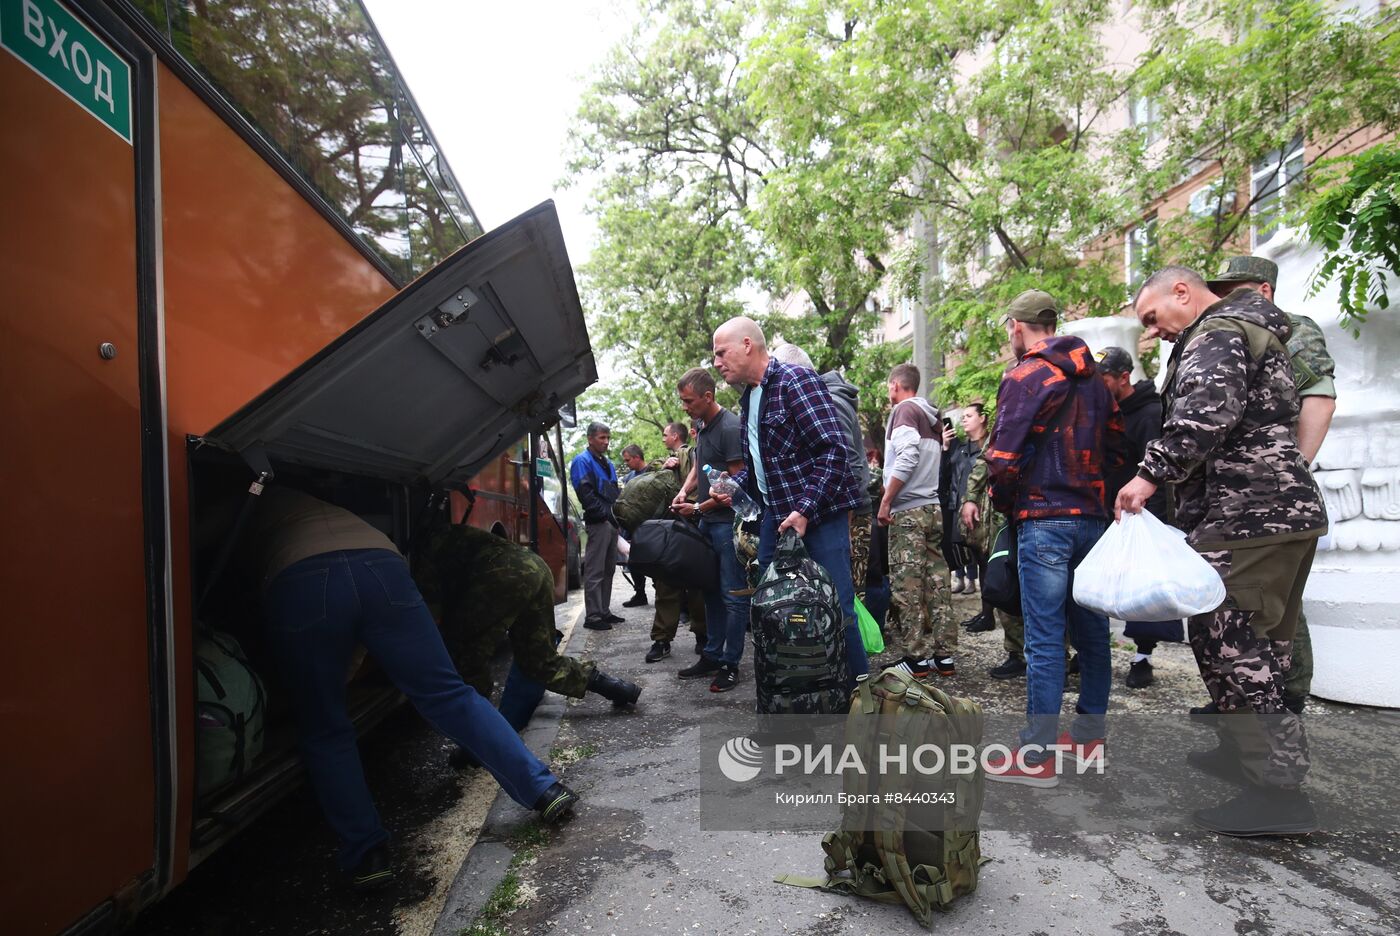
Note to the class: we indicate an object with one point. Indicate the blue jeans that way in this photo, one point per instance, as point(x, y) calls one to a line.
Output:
point(1048, 551)
point(829, 545)
point(318, 610)
point(726, 614)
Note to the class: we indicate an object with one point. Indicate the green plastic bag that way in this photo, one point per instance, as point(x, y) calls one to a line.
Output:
point(869, 630)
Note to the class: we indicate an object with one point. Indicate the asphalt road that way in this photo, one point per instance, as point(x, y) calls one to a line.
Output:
point(635, 860)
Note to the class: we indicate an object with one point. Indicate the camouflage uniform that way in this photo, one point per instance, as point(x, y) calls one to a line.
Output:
point(746, 548)
point(1249, 504)
point(979, 539)
point(1313, 370)
point(667, 619)
point(860, 550)
point(921, 612)
point(486, 590)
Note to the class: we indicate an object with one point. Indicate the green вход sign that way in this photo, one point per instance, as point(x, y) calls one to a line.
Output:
point(45, 36)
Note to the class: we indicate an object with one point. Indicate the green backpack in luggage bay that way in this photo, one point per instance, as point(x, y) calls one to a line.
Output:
point(799, 639)
point(229, 713)
point(917, 843)
point(646, 498)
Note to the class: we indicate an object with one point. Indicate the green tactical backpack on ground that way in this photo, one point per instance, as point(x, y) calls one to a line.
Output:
point(645, 498)
point(799, 637)
point(923, 851)
point(229, 712)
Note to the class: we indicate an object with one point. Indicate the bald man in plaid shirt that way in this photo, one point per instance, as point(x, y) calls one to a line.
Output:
point(795, 461)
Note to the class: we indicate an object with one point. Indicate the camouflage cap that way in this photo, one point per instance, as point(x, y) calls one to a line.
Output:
point(1115, 360)
point(1244, 270)
point(1034, 306)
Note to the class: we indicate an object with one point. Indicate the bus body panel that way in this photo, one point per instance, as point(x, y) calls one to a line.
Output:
point(75, 706)
point(255, 282)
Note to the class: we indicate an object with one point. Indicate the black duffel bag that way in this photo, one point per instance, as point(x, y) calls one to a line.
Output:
point(1001, 583)
point(674, 552)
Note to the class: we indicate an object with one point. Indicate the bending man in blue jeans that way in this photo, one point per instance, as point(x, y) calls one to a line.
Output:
point(795, 461)
point(1057, 428)
point(331, 582)
point(727, 610)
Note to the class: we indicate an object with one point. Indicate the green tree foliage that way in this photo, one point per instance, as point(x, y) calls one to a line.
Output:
point(670, 124)
point(1238, 84)
point(983, 122)
point(1356, 221)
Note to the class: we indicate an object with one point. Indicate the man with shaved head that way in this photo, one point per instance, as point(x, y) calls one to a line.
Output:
point(1244, 495)
point(795, 461)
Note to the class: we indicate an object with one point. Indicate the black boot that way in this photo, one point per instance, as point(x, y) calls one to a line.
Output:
point(639, 600)
point(1261, 811)
point(1295, 703)
point(1222, 761)
point(619, 691)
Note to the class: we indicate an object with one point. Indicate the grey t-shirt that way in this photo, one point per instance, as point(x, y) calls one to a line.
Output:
point(718, 444)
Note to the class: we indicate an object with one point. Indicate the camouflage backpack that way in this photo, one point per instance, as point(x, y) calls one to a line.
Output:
point(798, 636)
point(645, 498)
point(915, 841)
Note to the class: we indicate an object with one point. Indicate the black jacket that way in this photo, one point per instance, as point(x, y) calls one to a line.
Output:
point(964, 455)
point(1142, 418)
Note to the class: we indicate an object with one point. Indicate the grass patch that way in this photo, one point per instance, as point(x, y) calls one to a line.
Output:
point(564, 756)
point(504, 901)
point(530, 834)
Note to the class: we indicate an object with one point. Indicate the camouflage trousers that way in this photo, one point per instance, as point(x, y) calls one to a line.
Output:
point(920, 622)
point(667, 619)
point(1245, 650)
point(1013, 628)
point(861, 526)
point(507, 594)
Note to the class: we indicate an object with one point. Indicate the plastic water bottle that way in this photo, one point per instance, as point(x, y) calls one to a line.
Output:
point(721, 483)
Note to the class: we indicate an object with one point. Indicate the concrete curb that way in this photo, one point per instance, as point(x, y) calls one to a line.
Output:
point(490, 855)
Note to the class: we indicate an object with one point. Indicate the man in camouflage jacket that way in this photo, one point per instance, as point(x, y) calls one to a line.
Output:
point(485, 591)
point(1313, 370)
point(1249, 505)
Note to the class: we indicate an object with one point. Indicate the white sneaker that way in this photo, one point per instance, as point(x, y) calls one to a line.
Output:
point(970, 587)
point(956, 586)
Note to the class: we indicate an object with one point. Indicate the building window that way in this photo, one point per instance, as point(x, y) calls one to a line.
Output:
point(1145, 115)
point(1139, 253)
point(1207, 201)
point(1274, 173)
point(905, 312)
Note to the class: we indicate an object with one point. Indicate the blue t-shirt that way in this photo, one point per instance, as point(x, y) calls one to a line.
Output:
point(755, 405)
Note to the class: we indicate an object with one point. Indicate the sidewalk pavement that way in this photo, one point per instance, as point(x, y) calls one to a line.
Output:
point(633, 858)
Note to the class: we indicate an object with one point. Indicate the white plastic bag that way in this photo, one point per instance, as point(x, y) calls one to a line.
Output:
point(1143, 570)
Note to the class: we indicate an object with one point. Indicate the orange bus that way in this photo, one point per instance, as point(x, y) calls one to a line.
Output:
point(233, 256)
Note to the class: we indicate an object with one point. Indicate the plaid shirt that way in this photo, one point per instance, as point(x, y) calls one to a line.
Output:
point(802, 443)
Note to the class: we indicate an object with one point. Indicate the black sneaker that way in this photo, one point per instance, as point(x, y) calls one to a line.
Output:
point(597, 624)
point(701, 667)
point(943, 666)
point(977, 618)
point(727, 678)
point(638, 600)
point(700, 644)
point(1013, 668)
point(375, 870)
point(615, 619)
point(1261, 811)
point(659, 651)
point(1139, 675)
point(556, 804)
point(982, 624)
